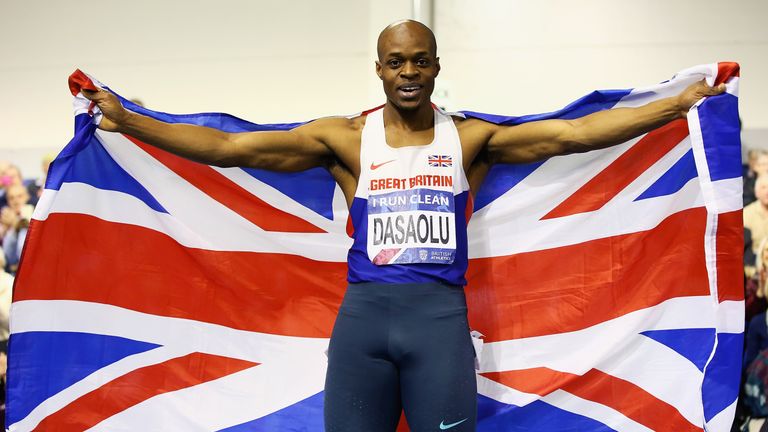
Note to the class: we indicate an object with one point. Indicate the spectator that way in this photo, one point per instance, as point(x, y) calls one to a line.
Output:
point(756, 214)
point(11, 176)
point(754, 300)
point(752, 400)
point(5, 181)
point(755, 293)
point(14, 219)
point(6, 285)
point(757, 161)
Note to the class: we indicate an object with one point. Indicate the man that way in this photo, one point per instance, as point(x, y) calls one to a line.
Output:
point(756, 213)
point(14, 221)
point(757, 161)
point(401, 339)
point(10, 175)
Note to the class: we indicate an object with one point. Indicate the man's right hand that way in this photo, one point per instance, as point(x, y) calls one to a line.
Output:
point(110, 106)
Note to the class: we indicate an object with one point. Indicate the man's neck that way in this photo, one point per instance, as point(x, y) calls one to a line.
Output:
point(419, 119)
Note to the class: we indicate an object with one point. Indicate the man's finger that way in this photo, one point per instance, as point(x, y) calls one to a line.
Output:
point(90, 94)
point(716, 90)
point(94, 94)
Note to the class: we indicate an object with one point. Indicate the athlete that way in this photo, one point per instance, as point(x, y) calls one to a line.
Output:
point(401, 339)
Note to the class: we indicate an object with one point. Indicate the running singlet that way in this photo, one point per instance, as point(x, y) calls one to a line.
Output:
point(410, 208)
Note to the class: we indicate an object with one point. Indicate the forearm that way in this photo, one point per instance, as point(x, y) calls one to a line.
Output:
point(543, 139)
point(611, 127)
point(198, 143)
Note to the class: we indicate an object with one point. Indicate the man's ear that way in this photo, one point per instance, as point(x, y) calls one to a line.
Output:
point(378, 69)
point(437, 66)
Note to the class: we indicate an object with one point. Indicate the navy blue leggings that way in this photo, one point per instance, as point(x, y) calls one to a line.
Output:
point(401, 347)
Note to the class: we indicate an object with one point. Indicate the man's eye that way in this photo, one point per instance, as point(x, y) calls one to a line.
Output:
point(422, 62)
point(395, 63)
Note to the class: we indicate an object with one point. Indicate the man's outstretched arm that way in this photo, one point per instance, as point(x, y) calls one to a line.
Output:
point(540, 140)
point(294, 150)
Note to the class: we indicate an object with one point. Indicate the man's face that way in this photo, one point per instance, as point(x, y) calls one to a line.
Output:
point(751, 159)
point(17, 197)
point(761, 165)
point(10, 176)
point(407, 66)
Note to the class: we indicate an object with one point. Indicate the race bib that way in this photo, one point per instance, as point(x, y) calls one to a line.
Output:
point(412, 226)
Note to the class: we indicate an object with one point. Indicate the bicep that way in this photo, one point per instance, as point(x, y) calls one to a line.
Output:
point(291, 150)
point(530, 142)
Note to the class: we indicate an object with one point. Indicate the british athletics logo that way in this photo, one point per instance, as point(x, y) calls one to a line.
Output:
point(178, 296)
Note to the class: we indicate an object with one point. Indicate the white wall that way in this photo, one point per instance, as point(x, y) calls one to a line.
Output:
point(271, 61)
point(522, 56)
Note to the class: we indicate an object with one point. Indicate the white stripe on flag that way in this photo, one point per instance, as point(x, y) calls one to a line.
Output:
point(195, 209)
point(93, 382)
point(224, 402)
point(514, 221)
point(279, 200)
point(562, 400)
point(599, 412)
point(183, 334)
point(606, 345)
point(564, 351)
point(723, 421)
point(119, 207)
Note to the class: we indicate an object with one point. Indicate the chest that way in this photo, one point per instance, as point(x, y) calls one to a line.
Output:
point(398, 138)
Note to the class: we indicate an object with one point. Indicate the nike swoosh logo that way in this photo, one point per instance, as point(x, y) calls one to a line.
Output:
point(373, 167)
point(448, 426)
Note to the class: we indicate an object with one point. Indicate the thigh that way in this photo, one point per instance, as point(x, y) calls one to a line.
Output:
point(438, 382)
point(362, 391)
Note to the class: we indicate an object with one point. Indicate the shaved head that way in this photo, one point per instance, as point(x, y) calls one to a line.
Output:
point(405, 28)
point(408, 66)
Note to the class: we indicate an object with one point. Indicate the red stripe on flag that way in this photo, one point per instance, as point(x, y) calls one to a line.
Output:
point(223, 190)
point(574, 287)
point(470, 208)
point(730, 256)
point(138, 386)
point(152, 273)
point(597, 386)
point(350, 226)
point(78, 81)
point(725, 71)
point(623, 171)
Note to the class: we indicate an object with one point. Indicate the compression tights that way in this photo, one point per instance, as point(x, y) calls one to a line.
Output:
point(401, 347)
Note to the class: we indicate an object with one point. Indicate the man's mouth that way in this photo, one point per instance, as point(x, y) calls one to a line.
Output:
point(409, 91)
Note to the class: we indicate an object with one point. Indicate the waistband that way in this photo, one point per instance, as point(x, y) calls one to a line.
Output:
point(395, 288)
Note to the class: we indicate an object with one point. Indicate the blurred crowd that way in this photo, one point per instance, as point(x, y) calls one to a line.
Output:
point(18, 197)
point(754, 396)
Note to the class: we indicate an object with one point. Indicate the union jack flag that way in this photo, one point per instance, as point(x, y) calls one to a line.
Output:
point(160, 294)
point(440, 160)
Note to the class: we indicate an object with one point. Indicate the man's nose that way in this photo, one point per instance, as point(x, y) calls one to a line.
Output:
point(409, 70)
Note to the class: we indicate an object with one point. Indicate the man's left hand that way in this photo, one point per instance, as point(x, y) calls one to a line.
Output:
point(694, 92)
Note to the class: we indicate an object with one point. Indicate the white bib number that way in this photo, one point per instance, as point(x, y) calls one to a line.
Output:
point(412, 226)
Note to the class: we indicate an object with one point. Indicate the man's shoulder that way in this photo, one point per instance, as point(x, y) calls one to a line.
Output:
point(339, 123)
point(335, 130)
point(462, 121)
point(473, 127)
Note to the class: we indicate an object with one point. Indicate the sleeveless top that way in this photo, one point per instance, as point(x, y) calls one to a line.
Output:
point(410, 209)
